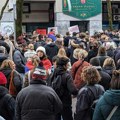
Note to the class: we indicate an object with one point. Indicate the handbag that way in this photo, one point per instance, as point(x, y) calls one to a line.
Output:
point(111, 113)
point(12, 88)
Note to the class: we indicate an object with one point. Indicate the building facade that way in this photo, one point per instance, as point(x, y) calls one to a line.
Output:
point(49, 13)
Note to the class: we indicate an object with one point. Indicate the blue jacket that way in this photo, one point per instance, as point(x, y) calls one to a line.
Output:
point(105, 105)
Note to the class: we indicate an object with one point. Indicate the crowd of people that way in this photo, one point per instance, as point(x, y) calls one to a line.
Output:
point(40, 75)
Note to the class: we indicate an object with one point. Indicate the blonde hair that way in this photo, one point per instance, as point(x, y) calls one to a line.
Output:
point(90, 75)
point(109, 62)
point(61, 53)
point(7, 64)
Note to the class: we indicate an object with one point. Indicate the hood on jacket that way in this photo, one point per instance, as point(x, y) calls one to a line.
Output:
point(112, 97)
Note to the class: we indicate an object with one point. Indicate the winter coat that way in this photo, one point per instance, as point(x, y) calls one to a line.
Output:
point(77, 74)
point(17, 79)
point(105, 105)
point(109, 69)
point(66, 41)
point(68, 87)
point(51, 50)
point(45, 105)
point(3, 57)
point(85, 98)
point(46, 63)
point(7, 104)
point(105, 78)
point(92, 53)
point(39, 43)
point(4, 44)
point(19, 61)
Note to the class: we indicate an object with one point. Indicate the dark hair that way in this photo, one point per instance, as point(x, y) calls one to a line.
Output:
point(55, 58)
point(115, 82)
point(95, 61)
point(62, 61)
point(102, 51)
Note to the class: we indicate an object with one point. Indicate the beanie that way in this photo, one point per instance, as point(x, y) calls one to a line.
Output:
point(39, 72)
point(3, 79)
point(41, 49)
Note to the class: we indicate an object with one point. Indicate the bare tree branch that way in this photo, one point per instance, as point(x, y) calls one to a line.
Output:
point(3, 8)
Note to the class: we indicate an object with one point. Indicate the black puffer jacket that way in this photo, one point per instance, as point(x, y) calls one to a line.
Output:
point(37, 102)
point(7, 104)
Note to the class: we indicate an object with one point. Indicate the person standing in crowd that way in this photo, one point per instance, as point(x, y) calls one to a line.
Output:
point(110, 100)
point(102, 55)
point(3, 55)
point(51, 35)
point(59, 41)
point(19, 59)
point(92, 91)
point(62, 53)
point(4, 44)
point(77, 69)
point(66, 40)
point(66, 88)
point(7, 102)
point(51, 49)
point(47, 104)
point(12, 48)
point(30, 52)
point(41, 52)
point(39, 42)
point(14, 80)
point(31, 64)
point(109, 65)
point(105, 77)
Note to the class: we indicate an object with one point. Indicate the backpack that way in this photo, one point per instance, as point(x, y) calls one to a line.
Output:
point(95, 98)
point(56, 83)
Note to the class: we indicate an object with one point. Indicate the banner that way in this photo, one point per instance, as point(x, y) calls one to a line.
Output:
point(73, 29)
point(41, 31)
point(82, 9)
point(7, 28)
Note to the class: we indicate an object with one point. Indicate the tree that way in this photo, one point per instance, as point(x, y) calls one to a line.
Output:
point(3, 8)
point(19, 6)
point(109, 14)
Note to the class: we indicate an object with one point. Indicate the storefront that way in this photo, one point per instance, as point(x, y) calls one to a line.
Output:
point(38, 14)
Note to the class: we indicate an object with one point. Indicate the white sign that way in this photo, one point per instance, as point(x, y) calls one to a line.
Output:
point(55, 28)
point(74, 29)
point(7, 28)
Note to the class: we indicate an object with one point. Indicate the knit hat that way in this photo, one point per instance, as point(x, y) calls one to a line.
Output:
point(39, 72)
point(3, 79)
point(41, 49)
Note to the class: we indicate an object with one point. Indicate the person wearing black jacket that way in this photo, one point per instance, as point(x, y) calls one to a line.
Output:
point(37, 101)
point(7, 104)
point(67, 88)
point(4, 44)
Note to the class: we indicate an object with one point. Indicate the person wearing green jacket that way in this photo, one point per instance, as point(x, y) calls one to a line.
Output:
point(109, 100)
